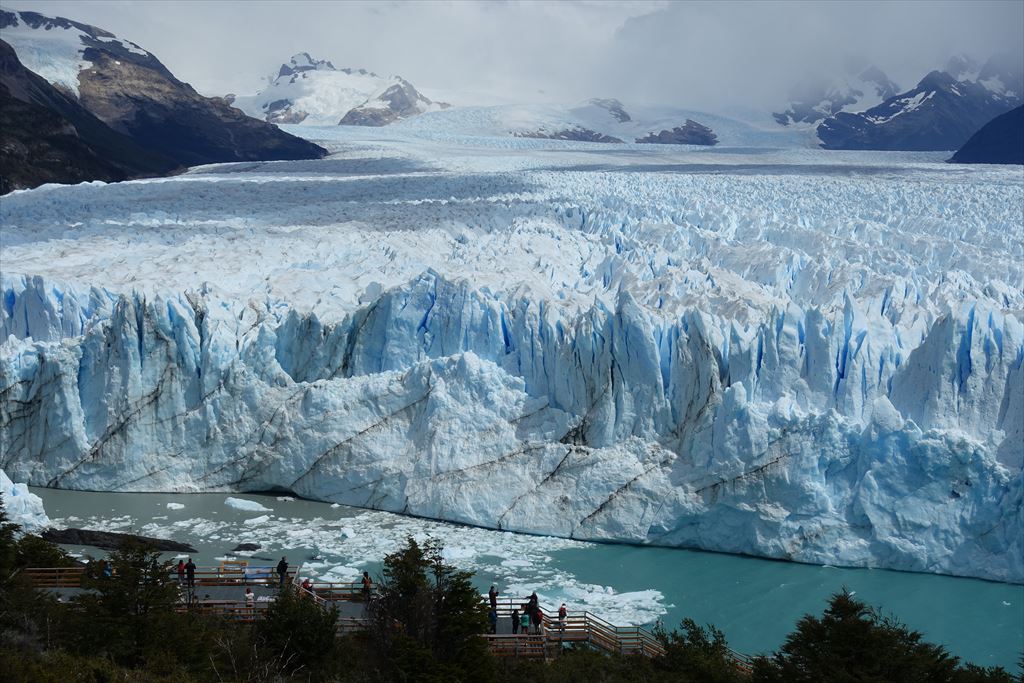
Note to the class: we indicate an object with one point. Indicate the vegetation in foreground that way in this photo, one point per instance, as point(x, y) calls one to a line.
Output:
point(424, 627)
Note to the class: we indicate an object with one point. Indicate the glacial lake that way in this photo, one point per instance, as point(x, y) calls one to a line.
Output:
point(754, 602)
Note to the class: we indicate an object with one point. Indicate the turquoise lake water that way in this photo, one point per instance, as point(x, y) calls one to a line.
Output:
point(755, 602)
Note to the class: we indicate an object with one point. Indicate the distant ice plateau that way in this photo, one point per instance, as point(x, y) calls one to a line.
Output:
point(794, 354)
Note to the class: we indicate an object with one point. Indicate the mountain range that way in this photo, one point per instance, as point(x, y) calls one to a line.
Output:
point(940, 113)
point(80, 103)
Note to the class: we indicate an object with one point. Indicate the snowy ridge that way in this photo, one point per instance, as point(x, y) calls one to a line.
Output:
point(803, 363)
point(314, 92)
point(54, 47)
point(855, 91)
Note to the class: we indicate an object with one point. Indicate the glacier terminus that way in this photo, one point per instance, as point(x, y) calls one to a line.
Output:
point(796, 354)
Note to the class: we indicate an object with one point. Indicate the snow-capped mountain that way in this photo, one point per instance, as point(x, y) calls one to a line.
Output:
point(314, 92)
point(133, 93)
point(856, 91)
point(941, 113)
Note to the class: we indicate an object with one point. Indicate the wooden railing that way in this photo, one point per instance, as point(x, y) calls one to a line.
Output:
point(583, 627)
point(55, 577)
point(71, 577)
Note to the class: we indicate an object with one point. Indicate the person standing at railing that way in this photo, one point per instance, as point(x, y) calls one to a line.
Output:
point(190, 574)
point(492, 617)
point(367, 583)
point(181, 572)
point(250, 597)
point(524, 621)
point(515, 621)
point(562, 614)
point(282, 571)
point(493, 595)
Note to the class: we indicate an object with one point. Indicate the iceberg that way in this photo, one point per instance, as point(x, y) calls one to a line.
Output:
point(726, 362)
point(245, 505)
point(23, 507)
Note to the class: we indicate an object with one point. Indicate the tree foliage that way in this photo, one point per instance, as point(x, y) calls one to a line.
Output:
point(297, 634)
point(852, 642)
point(428, 616)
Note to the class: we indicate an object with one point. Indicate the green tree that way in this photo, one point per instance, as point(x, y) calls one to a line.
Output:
point(429, 618)
point(128, 616)
point(696, 653)
point(296, 636)
point(852, 642)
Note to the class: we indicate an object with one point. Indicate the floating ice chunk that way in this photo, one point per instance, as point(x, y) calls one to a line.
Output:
point(515, 563)
point(286, 498)
point(253, 521)
point(246, 505)
point(175, 506)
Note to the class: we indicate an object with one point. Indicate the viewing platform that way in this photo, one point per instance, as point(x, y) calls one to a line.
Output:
point(217, 591)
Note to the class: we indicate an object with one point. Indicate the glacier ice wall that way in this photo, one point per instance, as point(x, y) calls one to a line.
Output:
point(803, 356)
point(811, 437)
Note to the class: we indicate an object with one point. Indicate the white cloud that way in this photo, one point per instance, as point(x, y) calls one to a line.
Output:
point(695, 53)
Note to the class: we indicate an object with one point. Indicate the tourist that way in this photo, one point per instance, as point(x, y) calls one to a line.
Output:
point(492, 617)
point(538, 621)
point(250, 597)
point(493, 595)
point(307, 585)
point(282, 571)
point(190, 573)
point(524, 621)
point(367, 586)
point(181, 572)
point(562, 614)
point(515, 622)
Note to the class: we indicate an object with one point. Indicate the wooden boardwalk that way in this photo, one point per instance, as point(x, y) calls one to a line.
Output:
point(578, 629)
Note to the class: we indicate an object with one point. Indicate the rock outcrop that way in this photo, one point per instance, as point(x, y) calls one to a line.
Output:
point(690, 133)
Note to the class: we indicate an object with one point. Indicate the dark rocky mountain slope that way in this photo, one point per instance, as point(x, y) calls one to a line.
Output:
point(1000, 141)
point(46, 136)
point(134, 94)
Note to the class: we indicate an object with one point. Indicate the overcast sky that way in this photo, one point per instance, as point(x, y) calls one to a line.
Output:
point(688, 53)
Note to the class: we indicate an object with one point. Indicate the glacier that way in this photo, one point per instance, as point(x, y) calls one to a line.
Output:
point(793, 354)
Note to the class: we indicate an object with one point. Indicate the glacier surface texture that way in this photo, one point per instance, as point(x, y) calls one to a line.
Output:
point(793, 354)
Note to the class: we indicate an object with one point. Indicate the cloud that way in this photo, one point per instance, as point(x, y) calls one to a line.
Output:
point(701, 54)
point(706, 53)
